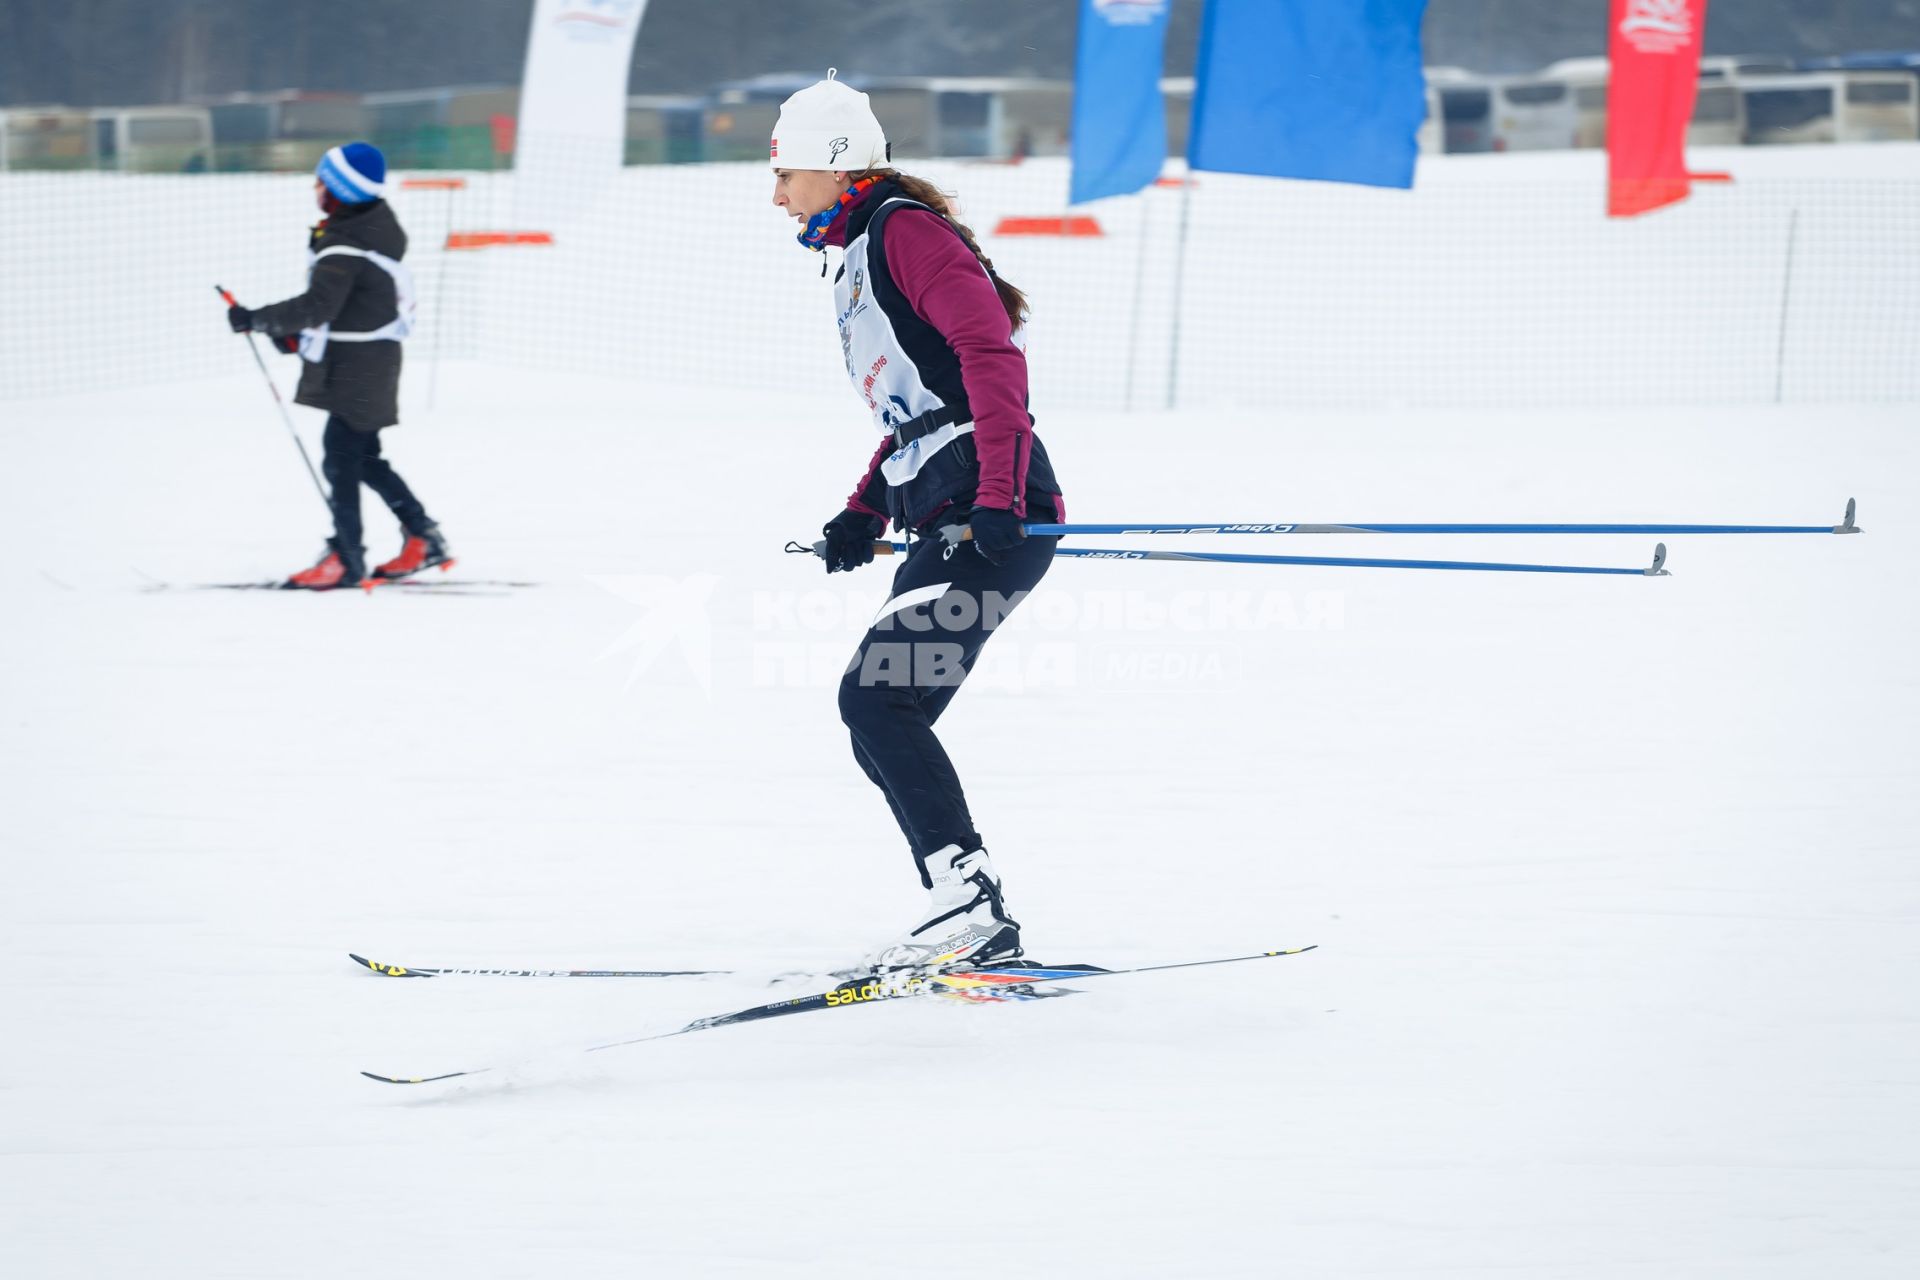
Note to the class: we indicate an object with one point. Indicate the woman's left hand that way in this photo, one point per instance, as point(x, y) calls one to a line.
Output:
point(996, 533)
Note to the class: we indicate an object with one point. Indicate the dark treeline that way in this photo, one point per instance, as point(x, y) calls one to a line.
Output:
point(101, 52)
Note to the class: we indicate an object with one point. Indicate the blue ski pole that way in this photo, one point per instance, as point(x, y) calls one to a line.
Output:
point(1142, 527)
point(955, 535)
point(1655, 570)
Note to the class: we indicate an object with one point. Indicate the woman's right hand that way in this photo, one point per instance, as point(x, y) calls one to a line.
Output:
point(850, 539)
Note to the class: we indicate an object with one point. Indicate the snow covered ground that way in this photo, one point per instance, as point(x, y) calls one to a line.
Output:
point(1613, 879)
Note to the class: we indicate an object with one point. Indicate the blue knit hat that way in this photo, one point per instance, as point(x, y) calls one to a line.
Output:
point(355, 173)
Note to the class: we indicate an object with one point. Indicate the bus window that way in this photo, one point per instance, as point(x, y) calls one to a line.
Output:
point(1534, 115)
point(1716, 117)
point(1880, 109)
point(965, 110)
point(1716, 103)
point(106, 140)
point(164, 131)
point(964, 120)
point(1880, 93)
point(1790, 115)
point(241, 122)
point(326, 118)
point(165, 140)
point(1534, 95)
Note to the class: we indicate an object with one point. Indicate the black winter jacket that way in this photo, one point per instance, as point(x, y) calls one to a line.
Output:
point(359, 381)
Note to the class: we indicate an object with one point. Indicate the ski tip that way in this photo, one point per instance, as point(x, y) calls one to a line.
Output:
point(398, 1079)
point(1658, 569)
point(374, 1075)
point(1294, 951)
point(1847, 525)
point(386, 970)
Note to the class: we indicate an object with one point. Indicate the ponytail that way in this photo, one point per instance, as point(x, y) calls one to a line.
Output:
point(1011, 298)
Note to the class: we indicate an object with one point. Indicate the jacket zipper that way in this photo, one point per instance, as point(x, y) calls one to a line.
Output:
point(1021, 443)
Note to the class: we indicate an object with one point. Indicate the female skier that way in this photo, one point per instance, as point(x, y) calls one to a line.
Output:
point(930, 336)
point(347, 328)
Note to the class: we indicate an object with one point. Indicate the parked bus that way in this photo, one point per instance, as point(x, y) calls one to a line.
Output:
point(1587, 79)
point(1534, 114)
point(1466, 118)
point(45, 138)
point(663, 129)
point(1502, 114)
point(1036, 117)
point(1719, 115)
point(1840, 106)
point(284, 130)
point(983, 117)
point(462, 126)
point(153, 139)
point(1466, 109)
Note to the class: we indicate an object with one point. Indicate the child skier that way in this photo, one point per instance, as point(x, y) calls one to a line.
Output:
point(347, 328)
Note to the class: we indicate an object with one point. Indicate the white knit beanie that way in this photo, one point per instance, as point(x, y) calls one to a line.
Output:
point(828, 125)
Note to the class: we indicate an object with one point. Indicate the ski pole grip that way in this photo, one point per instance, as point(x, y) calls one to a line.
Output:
point(820, 548)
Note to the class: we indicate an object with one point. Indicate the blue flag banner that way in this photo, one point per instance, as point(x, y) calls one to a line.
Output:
point(1327, 89)
point(1119, 122)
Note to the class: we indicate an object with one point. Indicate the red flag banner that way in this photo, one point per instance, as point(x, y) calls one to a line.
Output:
point(1654, 57)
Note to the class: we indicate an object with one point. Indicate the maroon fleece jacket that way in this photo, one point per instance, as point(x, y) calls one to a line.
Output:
point(943, 282)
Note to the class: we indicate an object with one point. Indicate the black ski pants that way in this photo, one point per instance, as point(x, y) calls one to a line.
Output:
point(352, 459)
point(943, 610)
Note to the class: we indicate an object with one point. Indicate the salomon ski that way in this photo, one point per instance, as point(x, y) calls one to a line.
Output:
point(1018, 976)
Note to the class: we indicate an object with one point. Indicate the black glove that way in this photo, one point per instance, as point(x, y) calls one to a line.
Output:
point(289, 343)
point(240, 318)
point(996, 534)
point(850, 537)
